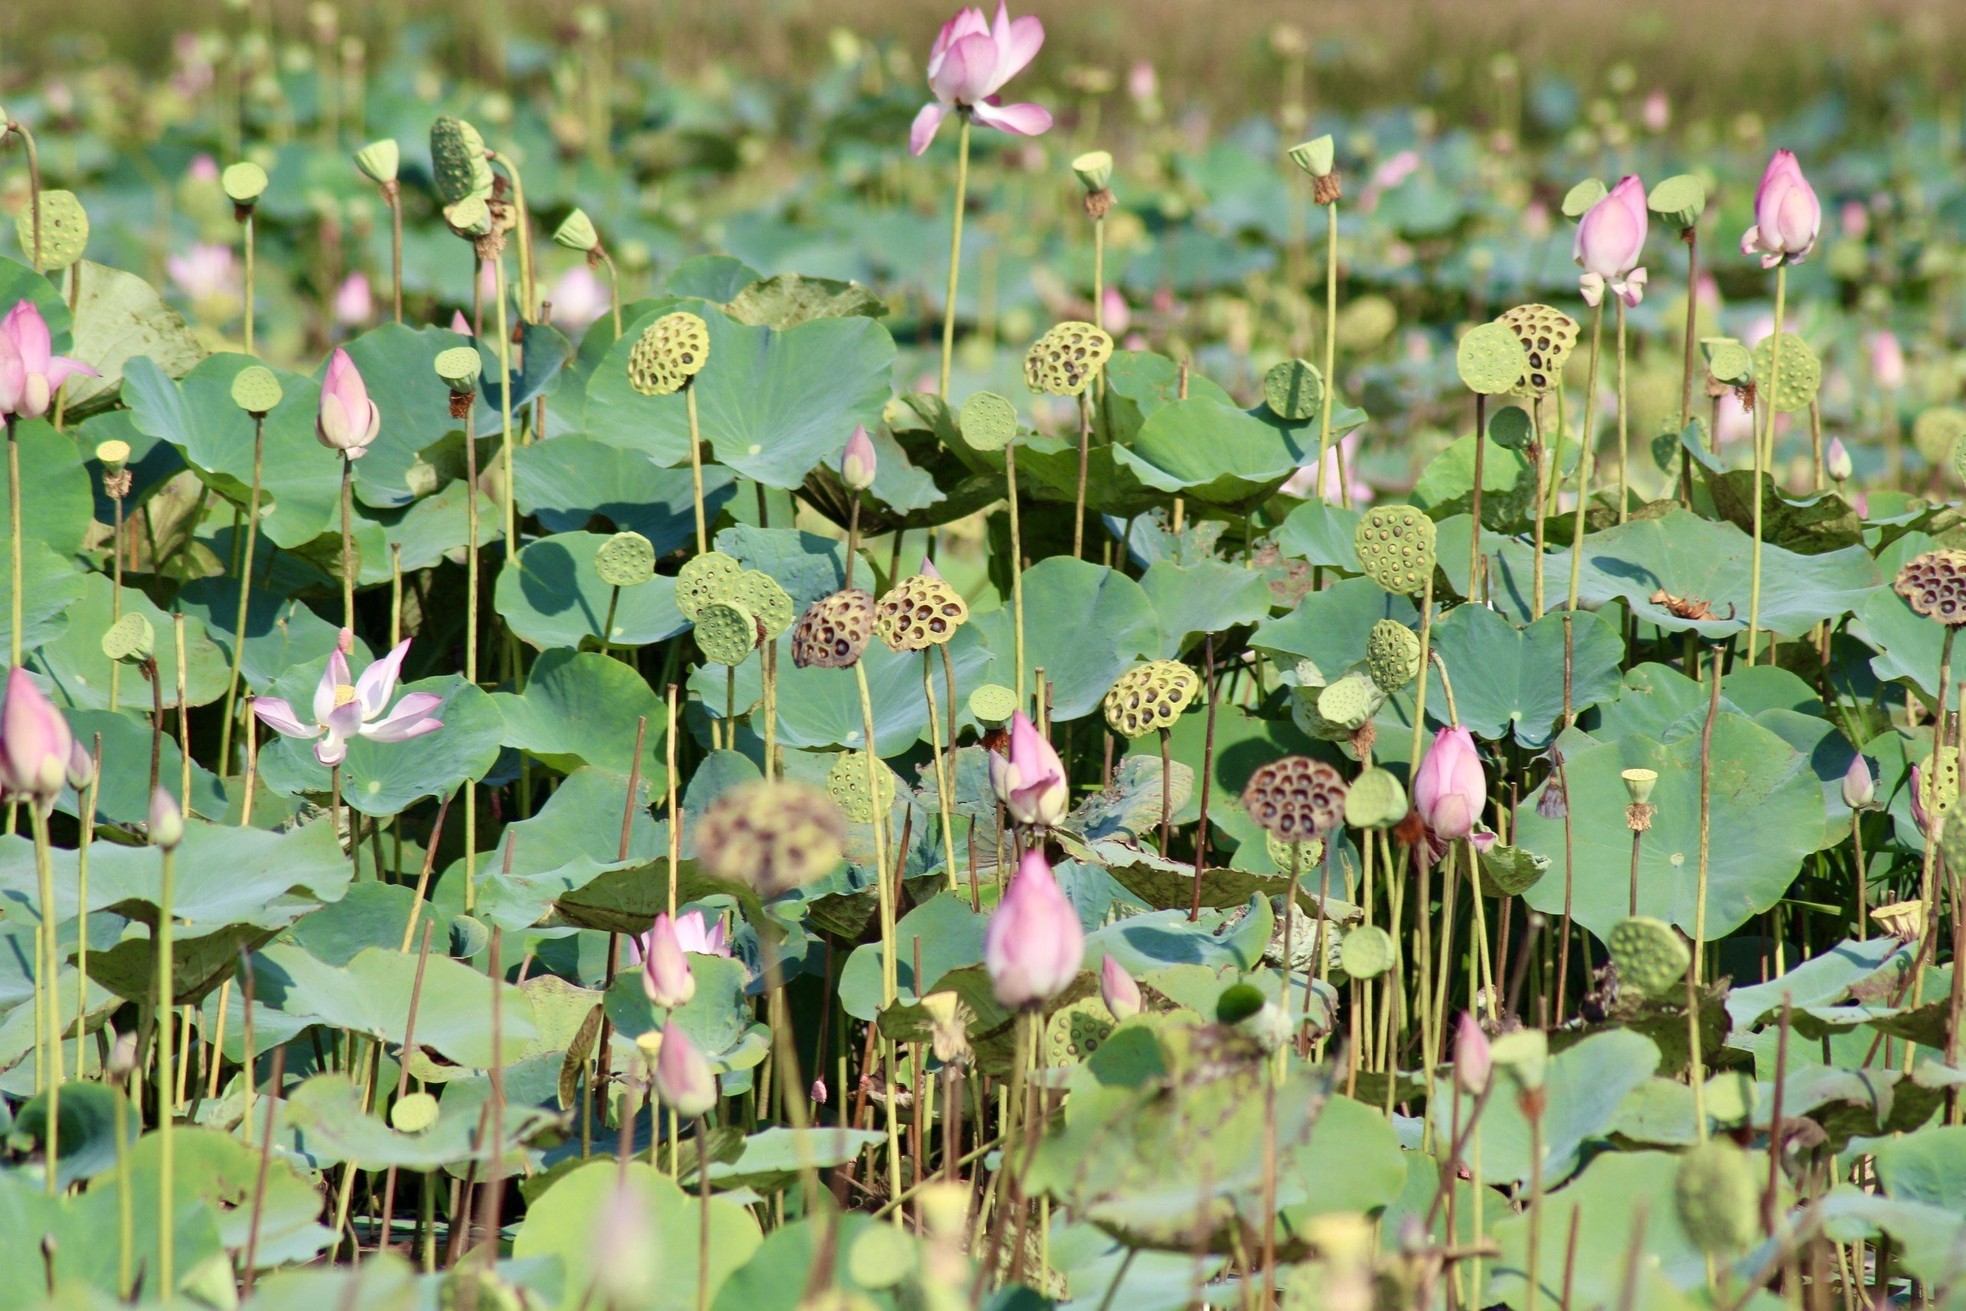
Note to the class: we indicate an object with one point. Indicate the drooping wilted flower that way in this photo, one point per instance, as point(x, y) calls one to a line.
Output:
point(969, 63)
point(1034, 944)
point(1787, 215)
point(344, 710)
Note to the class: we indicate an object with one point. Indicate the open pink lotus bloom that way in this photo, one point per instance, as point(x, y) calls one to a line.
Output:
point(30, 371)
point(666, 977)
point(969, 63)
point(1034, 943)
point(1610, 241)
point(345, 710)
point(1787, 215)
point(696, 935)
point(348, 420)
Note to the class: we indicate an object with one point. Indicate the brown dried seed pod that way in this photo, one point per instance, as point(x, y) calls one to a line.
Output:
point(1547, 335)
point(920, 612)
point(1066, 358)
point(1295, 798)
point(834, 630)
point(774, 835)
point(1150, 696)
point(1934, 584)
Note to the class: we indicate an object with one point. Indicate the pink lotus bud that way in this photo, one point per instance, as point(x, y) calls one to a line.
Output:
point(682, 1077)
point(1854, 219)
point(1836, 460)
point(1887, 360)
point(81, 766)
point(1118, 990)
point(35, 742)
point(1859, 788)
point(459, 324)
point(344, 641)
point(1472, 1061)
point(348, 420)
point(1449, 789)
point(1031, 780)
point(1034, 944)
point(930, 571)
point(1142, 83)
point(818, 1093)
point(1920, 817)
point(354, 305)
point(1656, 113)
point(1610, 241)
point(166, 820)
point(666, 976)
point(1787, 215)
point(857, 464)
point(30, 372)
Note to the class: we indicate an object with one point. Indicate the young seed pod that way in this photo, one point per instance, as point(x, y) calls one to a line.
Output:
point(704, 579)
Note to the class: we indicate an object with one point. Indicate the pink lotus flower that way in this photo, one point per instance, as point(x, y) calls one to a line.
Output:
point(206, 272)
point(1118, 990)
point(1031, 780)
point(683, 1079)
point(1610, 240)
point(345, 710)
point(1449, 789)
point(1887, 360)
point(1034, 943)
point(969, 63)
point(578, 298)
point(857, 462)
point(1472, 1060)
point(35, 743)
point(1836, 461)
point(1859, 788)
point(459, 324)
point(348, 420)
point(30, 373)
point(1787, 215)
point(697, 935)
point(354, 303)
point(666, 977)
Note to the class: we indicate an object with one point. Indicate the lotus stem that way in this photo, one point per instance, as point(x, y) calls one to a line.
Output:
point(1539, 455)
point(1474, 535)
point(614, 287)
point(1624, 441)
point(392, 196)
point(87, 839)
point(1481, 934)
point(1764, 455)
point(890, 979)
point(20, 130)
point(1016, 567)
point(46, 993)
point(1085, 457)
point(347, 544)
point(1706, 815)
point(505, 409)
point(245, 576)
point(696, 473)
point(790, 1081)
point(1533, 1109)
point(944, 776)
point(955, 248)
point(527, 287)
point(1586, 447)
point(166, 1104)
point(246, 240)
point(852, 538)
point(1691, 236)
point(115, 596)
point(14, 531)
point(1330, 350)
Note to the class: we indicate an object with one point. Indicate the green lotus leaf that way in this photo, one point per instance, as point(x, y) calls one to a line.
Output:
point(581, 708)
point(118, 318)
point(552, 596)
point(60, 508)
point(1207, 597)
point(1511, 680)
point(564, 483)
point(79, 670)
point(1084, 625)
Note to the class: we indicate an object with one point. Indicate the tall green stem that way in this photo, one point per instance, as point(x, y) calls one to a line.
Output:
point(1764, 452)
point(955, 248)
point(505, 409)
point(13, 543)
point(890, 983)
point(166, 1106)
point(1016, 567)
point(1330, 348)
point(1624, 441)
point(347, 543)
point(245, 590)
point(696, 473)
point(246, 239)
point(1585, 448)
point(46, 994)
point(943, 778)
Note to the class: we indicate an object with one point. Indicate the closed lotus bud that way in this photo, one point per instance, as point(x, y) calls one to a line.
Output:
point(1449, 789)
point(1859, 788)
point(576, 232)
point(857, 464)
point(166, 820)
point(35, 742)
point(1472, 1059)
point(1787, 215)
point(1033, 944)
point(1836, 461)
point(1030, 781)
point(1118, 990)
point(666, 976)
point(682, 1076)
point(348, 420)
point(81, 767)
point(1610, 241)
point(818, 1092)
point(379, 160)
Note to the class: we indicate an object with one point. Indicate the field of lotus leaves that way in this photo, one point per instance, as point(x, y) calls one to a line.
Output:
point(949, 682)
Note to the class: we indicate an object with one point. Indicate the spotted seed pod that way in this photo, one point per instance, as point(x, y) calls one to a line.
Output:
point(1375, 799)
point(834, 630)
point(64, 230)
point(726, 633)
point(1649, 954)
point(1801, 375)
point(1717, 1192)
point(458, 165)
point(1074, 1032)
point(1935, 586)
point(775, 835)
point(1547, 335)
point(846, 783)
point(1066, 358)
point(758, 592)
point(705, 578)
point(919, 612)
point(1295, 798)
point(1348, 703)
point(670, 352)
point(1936, 787)
point(1306, 854)
point(1395, 545)
point(1392, 655)
point(1150, 696)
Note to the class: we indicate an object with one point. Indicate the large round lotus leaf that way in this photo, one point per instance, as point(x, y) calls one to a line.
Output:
point(1801, 374)
point(807, 565)
point(772, 405)
point(1208, 596)
point(89, 1117)
point(552, 595)
point(1223, 456)
point(569, 480)
point(383, 778)
point(1510, 680)
point(80, 671)
point(1330, 628)
point(1508, 485)
point(1690, 558)
point(120, 318)
point(1084, 625)
point(1490, 359)
point(581, 707)
point(123, 794)
point(52, 584)
point(60, 505)
point(1766, 816)
point(1320, 533)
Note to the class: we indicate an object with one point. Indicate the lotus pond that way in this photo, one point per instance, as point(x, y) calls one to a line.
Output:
point(950, 683)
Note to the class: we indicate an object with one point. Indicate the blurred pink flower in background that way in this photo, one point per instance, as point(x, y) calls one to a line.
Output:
point(1887, 360)
point(578, 298)
point(1356, 493)
point(1656, 113)
point(203, 169)
point(206, 272)
point(354, 303)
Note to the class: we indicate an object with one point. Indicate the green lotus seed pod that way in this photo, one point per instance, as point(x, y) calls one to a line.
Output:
point(112, 455)
point(1491, 359)
point(1938, 784)
point(469, 217)
point(1649, 954)
point(846, 782)
point(625, 559)
point(1951, 838)
point(1717, 1192)
point(1547, 335)
point(704, 578)
point(1074, 1032)
point(1935, 433)
point(1366, 952)
point(256, 389)
point(1392, 655)
point(243, 183)
point(413, 1113)
point(1395, 545)
point(1283, 852)
point(457, 161)
point(1511, 429)
point(1639, 784)
point(1294, 390)
point(1727, 360)
point(1523, 1055)
point(576, 232)
point(64, 230)
point(1578, 200)
point(1304, 714)
point(1350, 702)
point(726, 633)
point(1801, 375)
point(460, 367)
point(1095, 169)
point(670, 352)
point(1680, 200)
point(992, 703)
point(1149, 697)
point(988, 421)
point(380, 160)
point(1066, 359)
point(1316, 157)
point(1510, 871)
point(130, 639)
point(768, 603)
point(1376, 800)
